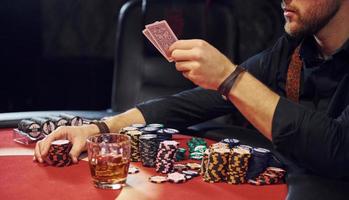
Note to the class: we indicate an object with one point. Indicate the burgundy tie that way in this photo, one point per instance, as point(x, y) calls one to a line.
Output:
point(294, 76)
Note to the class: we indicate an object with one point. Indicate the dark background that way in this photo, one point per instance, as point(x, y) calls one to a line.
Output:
point(58, 54)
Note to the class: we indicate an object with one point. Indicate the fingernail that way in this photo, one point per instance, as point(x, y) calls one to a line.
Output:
point(40, 160)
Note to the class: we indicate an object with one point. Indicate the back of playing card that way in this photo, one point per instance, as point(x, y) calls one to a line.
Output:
point(162, 35)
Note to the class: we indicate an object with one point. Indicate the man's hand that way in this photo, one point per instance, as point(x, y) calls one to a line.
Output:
point(77, 135)
point(201, 63)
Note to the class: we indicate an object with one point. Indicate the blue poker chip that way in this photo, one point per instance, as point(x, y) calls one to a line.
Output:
point(231, 142)
point(190, 173)
point(149, 130)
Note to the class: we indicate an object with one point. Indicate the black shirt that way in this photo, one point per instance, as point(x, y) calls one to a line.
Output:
point(314, 132)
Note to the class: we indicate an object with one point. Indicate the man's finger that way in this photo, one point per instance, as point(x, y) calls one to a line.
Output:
point(185, 44)
point(184, 66)
point(76, 150)
point(185, 55)
point(46, 143)
point(37, 153)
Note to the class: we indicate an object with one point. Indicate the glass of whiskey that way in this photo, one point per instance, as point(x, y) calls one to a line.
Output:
point(109, 159)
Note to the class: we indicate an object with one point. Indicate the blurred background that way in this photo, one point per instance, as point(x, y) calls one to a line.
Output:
point(63, 54)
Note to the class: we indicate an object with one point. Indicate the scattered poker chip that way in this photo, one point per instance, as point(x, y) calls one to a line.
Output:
point(188, 177)
point(133, 170)
point(158, 179)
point(179, 167)
point(194, 166)
point(176, 177)
point(190, 173)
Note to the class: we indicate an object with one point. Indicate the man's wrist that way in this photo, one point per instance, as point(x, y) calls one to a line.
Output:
point(225, 87)
point(102, 127)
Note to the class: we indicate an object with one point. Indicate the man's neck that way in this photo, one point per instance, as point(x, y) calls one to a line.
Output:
point(335, 33)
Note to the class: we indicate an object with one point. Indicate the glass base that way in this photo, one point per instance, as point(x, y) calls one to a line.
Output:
point(112, 186)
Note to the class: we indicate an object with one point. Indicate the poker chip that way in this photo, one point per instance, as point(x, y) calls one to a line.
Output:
point(58, 154)
point(166, 156)
point(238, 165)
point(194, 166)
point(176, 177)
point(216, 169)
point(133, 170)
point(58, 121)
point(46, 125)
point(134, 136)
point(231, 142)
point(196, 147)
point(190, 173)
point(72, 120)
point(180, 155)
point(138, 126)
point(149, 130)
point(158, 126)
point(179, 167)
point(30, 128)
point(148, 147)
point(258, 163)
point(158, 179)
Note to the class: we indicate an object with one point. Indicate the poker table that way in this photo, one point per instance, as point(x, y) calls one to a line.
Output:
point(21, 178)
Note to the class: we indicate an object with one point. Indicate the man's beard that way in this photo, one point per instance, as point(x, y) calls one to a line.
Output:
point(313, 20)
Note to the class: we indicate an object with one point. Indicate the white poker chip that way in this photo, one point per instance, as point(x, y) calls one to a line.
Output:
point(158, 179)
point(194, 166)
point(176, 177)
point(133, 170)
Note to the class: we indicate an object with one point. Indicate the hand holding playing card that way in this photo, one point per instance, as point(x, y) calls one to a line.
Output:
point(161, 36)
point(201, 63)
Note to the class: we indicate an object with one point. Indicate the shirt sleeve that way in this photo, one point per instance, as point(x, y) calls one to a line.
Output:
point(186, 108)
point(318, 142)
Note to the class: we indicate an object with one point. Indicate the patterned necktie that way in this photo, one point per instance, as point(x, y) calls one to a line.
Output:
point(294, 76)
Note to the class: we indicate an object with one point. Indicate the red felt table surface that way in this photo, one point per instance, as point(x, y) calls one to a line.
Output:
point(21, 178)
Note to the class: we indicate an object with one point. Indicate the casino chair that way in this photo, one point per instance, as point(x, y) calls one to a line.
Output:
point(140, 72)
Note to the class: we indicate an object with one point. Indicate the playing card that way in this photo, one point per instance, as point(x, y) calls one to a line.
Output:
point(150, 38)
point(162, 37)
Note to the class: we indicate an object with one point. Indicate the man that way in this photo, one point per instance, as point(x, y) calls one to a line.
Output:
point(311, 127)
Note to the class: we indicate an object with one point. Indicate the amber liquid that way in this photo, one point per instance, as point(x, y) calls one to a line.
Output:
point(109, 169)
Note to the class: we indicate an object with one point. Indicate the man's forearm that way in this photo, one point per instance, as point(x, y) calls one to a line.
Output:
point(255, 101)
point(132, 116)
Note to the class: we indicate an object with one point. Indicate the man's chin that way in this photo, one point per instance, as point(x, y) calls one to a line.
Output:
point(294, 31)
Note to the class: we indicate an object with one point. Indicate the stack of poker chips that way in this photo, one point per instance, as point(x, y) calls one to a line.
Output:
point(46, 125)
point(72, 119)
point(166, 156)
point(58, 121)
point(31, 128)
point(204, 162)
point(166, 134)
point(180, 155)
point(238, 165)
point(258, 163)
point(216, 169)
point(194, 152)
point(134, 136)
point(148, 147)
point(58, 154)
point(271, 175)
